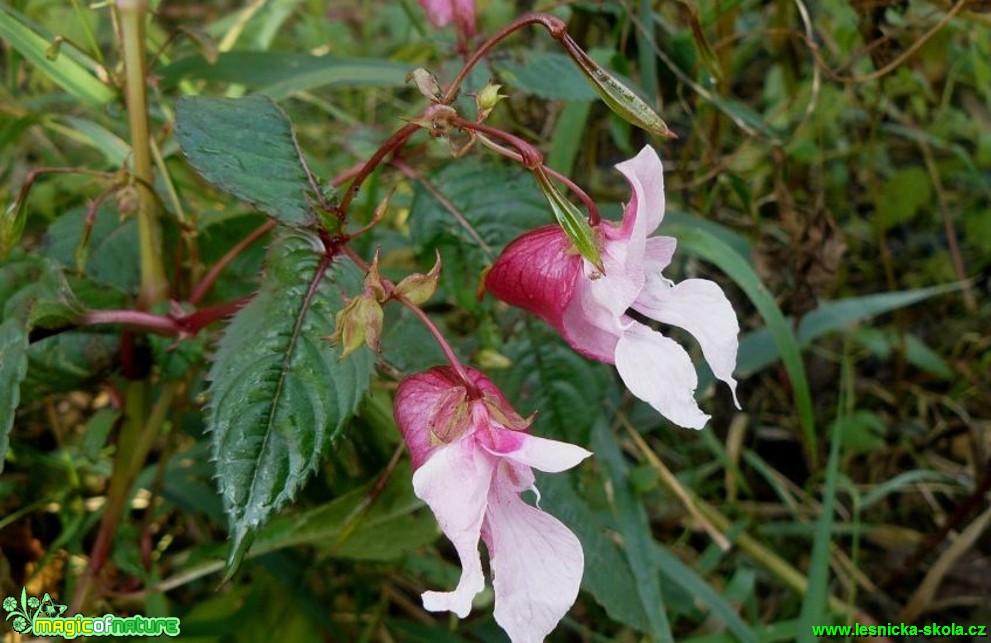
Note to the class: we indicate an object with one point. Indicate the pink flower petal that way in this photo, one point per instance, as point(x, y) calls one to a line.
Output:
point(537, 272)
point(658, 253)
point(537, 566)
point(546, 455)
point(591, 330)
point(658, 371)
point(700, 307)
point(645, 210)
point(455, 482)
point(443, 12)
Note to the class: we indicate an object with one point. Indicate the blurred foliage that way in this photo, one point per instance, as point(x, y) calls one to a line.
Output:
point(832, 172)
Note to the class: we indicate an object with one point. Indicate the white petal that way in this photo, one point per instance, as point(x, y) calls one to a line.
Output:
point(700, 307)
point(658, 371)
point(537, 566)
point(455, 483)
point(551, 456)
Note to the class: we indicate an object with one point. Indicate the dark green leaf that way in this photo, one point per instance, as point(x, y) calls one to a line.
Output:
point(363, 524)
point(634, 527)
point(567, 391)
point(113, 252)
point(608, 577)
point(279, 393)
point(247, 147)
point(679, 574)
point(13, 368)
point(545, 74)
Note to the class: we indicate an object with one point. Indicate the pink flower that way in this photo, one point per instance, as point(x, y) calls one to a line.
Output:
point(542, 273)
point(444, 12)
point(472, 457)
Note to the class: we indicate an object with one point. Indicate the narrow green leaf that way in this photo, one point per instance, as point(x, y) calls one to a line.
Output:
point(678, 573)
point(568, 136)
point(704, 244)
point(247, 147)
point(608, 577)
point(816, 600)
point(279, 393)
point(759, 349)
point(280, 74)
point(66, 70)
point(908, 479)
point(13, 368)
point(631, 518)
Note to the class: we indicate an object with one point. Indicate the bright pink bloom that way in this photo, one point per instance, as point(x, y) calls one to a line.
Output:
point(444, 12)
point(542, 273)
point(472, 457)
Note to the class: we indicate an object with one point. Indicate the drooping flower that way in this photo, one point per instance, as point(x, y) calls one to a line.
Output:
point(541, 273)
point(444, 12)
point(472, 456)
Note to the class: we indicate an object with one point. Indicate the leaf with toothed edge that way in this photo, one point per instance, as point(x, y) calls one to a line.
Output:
point(279, 392)
point(247, 147)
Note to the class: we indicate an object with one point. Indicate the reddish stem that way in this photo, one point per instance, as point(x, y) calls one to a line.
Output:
point(531, 158)
point(447, 349)
point(158, 324)
point(182, 325)
point(394, 142)
point(204, 286)
point(554, 25)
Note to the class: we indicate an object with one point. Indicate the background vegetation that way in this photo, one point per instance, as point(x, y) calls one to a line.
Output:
point(832, 172)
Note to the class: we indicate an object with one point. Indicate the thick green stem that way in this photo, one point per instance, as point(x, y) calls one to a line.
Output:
point(154, 286)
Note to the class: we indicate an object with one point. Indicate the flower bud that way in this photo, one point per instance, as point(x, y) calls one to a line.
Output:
point(487, 99)
point(359, 322)
point(373, 281)
point(419, 287)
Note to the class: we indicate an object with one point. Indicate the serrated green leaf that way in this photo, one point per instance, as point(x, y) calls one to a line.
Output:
point(25, 282)
point(279, 393)
point(498, 203)
point(247, 147)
